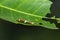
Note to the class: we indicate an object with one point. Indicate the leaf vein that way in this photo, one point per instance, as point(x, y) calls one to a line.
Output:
point(26, 12)
point(19, 11)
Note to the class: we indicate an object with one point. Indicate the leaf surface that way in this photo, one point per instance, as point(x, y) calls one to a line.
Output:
point(30, 10)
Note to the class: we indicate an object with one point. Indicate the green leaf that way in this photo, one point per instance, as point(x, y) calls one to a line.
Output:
point(30, 10)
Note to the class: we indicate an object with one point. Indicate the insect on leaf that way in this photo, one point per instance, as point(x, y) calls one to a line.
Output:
point(30, 10)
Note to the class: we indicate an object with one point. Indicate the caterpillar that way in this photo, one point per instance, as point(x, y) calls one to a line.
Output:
point(25, 21)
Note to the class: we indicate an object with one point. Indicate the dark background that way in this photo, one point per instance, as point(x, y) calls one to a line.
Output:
point(11, 31)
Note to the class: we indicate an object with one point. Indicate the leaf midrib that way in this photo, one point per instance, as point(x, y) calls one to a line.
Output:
point(20, 11)
point(25, 12)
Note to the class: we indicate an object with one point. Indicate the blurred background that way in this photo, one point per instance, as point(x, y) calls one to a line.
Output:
point(11, 31)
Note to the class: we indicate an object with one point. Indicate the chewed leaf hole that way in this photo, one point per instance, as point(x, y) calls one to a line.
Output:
point(40, 23)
